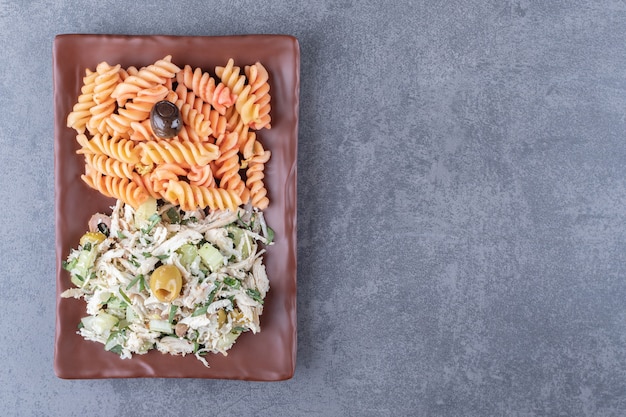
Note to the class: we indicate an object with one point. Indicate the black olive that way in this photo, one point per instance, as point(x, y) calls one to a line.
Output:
point(165, 119)
point(103, 228)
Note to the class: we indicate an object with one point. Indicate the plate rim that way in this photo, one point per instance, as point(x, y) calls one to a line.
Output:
point(290, 182)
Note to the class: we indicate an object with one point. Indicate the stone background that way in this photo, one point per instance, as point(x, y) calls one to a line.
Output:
point(461, 234)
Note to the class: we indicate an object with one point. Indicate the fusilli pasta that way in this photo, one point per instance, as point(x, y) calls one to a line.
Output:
point(255, 176)
point(259, 86)
point(182, 153)
point(215, 161)
point(191, 197)
point(146, 78)
point(80, 115)
point(227, 166)
point(109, 166)
point(115, 147)
point(120, 188)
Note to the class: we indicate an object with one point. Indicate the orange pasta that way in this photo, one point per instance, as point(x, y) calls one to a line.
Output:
point(192, 197)
point(215, 161)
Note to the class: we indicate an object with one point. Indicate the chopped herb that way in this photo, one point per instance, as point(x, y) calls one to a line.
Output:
point(232, 282)
point(239, 329)
point(270, 235)
point(153, 221)
point(255, 295)
point(125, 297)
point(200, 311)
point(134, 281)
point(162, 257)
point(173, 216)
point(87, 246)
point(244, 224)
point(192, 219)
point(68, 266)
point(120, 235)
point(212, 294)
point(133, 261)
point(146, 254)
point(173, 309)
point(79, 277)
point(142, 283)
point(80, 325)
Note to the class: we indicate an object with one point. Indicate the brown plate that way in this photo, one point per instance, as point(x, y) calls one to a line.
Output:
point(267, 356)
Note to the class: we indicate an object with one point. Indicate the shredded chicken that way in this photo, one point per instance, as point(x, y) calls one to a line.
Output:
point(218, 300)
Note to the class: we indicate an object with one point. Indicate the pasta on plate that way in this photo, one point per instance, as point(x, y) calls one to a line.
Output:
point(221, 114)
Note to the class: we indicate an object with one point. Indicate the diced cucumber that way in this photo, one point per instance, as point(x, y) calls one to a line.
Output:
point(115, 303)
point(100, 323)
point(83, 266)
point(188, 254)
point(131, 316)
point(144, 212)
point(241, 240)
point(211, 256)
point(115, 339)
point(162, 326)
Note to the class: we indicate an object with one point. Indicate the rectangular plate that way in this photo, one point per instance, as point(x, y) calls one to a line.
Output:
point(267, 356)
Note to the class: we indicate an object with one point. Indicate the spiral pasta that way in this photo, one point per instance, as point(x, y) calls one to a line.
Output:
point(162, 174)
point(255, 176)
point(227, 166)
point(136, 110)
point(246, 107)
point(107, 79)
point(182, 153)
point(120, 188)
point(201, 175)
point(203, 85)
point(80, 115)
point(147, 183)
point(147, 77)
point(141, 131)
point(109, 166)
point(195, 80)
point(216, 120)
point(115, 147)
point(231, 77)
point(192, 197)
point(187, 133)
point(184, 95)
point(216, 161)
point(195, 120)
point(259, 86)
point(247, 145)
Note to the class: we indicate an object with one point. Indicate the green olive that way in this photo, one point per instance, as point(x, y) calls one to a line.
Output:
point(92, 237)
point(165, 119)
point(166, 282)
point(221, 317)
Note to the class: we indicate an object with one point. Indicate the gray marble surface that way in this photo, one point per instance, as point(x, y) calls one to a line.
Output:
point(462, 194)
